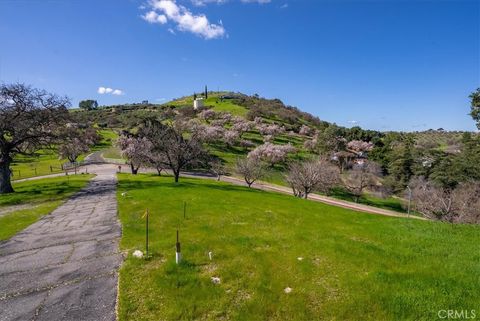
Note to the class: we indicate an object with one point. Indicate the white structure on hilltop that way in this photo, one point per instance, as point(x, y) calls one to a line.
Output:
point(197, 103)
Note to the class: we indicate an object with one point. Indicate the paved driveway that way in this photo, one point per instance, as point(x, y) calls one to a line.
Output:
point(64, 267)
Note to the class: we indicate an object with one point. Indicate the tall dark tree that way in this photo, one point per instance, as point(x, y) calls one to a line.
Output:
point(29, 120)
point(401, 161)
point(453, 169)
point(331, 140)
point(206, 92)
point(88, 104)
point(475, 106)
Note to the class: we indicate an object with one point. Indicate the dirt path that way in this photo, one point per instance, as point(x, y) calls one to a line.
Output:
point(64, 267)
point(95, 157)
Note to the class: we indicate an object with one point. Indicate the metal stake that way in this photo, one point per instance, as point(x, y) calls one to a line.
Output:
point(146, 234)
point(178, 253)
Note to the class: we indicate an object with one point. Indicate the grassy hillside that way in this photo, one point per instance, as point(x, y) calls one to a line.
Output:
point(270, 110)
point(215, 102)
point(339, 264)
point(318, 137)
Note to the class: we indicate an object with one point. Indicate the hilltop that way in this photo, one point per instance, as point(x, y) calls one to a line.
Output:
point(237, 124)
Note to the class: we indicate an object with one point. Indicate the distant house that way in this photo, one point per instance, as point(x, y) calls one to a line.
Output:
point(197, 103)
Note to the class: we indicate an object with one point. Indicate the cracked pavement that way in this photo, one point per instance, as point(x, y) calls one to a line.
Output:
point(64, 267)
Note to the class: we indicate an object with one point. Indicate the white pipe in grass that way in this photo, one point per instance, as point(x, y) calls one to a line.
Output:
point(178, 254)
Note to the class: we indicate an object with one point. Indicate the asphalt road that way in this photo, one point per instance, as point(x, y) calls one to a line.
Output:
point(64, 267)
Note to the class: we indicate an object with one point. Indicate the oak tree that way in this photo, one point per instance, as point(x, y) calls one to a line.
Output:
point(30, 119)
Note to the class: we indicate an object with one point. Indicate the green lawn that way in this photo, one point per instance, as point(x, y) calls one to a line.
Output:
point(46, 162)
point(113, 153)
point(40, 197)
point(226, 106)
point(355, 266)
point(109, 136)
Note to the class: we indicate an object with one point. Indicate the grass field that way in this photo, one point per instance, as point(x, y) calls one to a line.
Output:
point(113, 153)
point(46, 162)
point(354, 266)
point(39, 197)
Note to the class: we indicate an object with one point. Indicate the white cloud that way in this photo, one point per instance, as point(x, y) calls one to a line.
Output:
point(353, 122)
point(102, 90)
point(169, 7)
point(205, 2)
point(154, 17)
point(163, 11)
point(256, 1)
point(108, 90)
point(284, 6)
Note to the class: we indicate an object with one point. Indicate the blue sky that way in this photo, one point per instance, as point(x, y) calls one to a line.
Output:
point(384, 64)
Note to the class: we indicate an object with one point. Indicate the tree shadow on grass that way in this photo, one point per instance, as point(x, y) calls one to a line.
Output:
point(49, 191)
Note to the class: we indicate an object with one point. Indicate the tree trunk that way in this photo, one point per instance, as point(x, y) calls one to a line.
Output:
point(177, 175)
point(159, 171)
point(5, 175)
point(134, 170)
